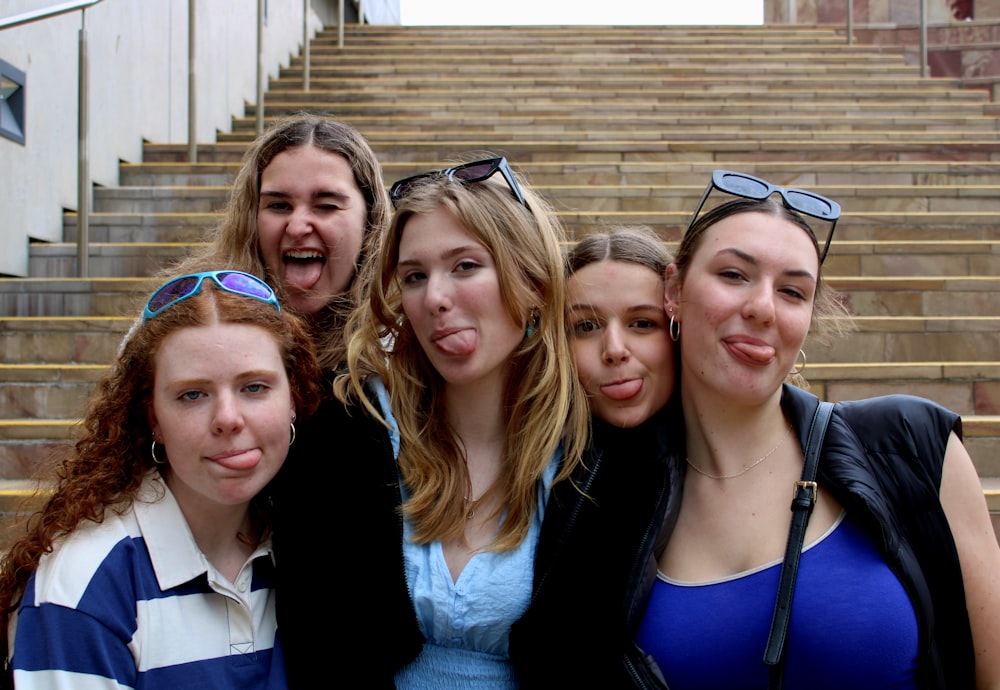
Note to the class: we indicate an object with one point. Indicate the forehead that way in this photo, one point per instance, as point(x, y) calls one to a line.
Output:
point(609, 280)
point(759, 234)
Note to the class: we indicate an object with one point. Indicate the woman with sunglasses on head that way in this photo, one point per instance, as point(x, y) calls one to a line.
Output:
point(890, 573)
point(304, 211)
point(461, 410)
point(150, 564)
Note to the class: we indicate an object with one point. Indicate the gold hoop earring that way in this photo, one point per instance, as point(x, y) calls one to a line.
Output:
point(292, 439)
point(797, 369)
point(152, 452)
point(674, 329)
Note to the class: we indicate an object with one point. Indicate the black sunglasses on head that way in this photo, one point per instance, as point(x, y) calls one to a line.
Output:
point(476, 171)
point(750, 187)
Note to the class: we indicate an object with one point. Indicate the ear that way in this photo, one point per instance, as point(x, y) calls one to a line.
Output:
point(672, 291)
point(154, 426)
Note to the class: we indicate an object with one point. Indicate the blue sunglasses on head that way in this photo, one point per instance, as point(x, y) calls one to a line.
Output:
point(180, 288)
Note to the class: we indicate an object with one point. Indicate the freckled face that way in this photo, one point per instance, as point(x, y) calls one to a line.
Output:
point(451, 297)
point(746, 305)
point(222, 407)
point(619, 340)
point(311, 222)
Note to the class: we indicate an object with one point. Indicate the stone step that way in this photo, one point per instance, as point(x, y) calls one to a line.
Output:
point(95, 340)
point(26, 445)
point(73, 340)
point(46, 391)
point(622, 148)
point(192, 228)
point(898, 258)
point(650, 81)
point(967, 119)
point(597, 197)
point(673, 172)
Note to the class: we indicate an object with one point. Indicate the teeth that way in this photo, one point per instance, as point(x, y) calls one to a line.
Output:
point(303, 255)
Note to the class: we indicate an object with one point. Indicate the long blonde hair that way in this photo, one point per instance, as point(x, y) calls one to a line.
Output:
point(544, 405)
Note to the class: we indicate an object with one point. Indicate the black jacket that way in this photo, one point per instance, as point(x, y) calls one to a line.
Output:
point(343, 604)
point(882, 460)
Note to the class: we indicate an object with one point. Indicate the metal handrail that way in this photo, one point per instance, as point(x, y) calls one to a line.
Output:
point(83, 187)
point(45, 13)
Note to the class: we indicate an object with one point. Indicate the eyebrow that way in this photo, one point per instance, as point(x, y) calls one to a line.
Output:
point(319, 195)
point(797, 273)
point(450, 254)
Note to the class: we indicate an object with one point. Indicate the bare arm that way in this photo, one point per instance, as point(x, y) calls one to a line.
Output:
point(965, 506)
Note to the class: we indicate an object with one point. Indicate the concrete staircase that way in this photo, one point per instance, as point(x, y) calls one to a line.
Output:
point(615, 126)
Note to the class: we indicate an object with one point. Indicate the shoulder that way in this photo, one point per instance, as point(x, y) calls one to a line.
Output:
point(899, 418)
point(91, 554)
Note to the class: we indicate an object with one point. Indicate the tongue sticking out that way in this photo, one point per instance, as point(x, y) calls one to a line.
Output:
point(458, 343)
point(301, 274)
point(623, 390)
point(760, 354)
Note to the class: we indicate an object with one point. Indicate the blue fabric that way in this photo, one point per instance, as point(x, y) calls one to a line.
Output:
point(852, 624)
point(466, 622)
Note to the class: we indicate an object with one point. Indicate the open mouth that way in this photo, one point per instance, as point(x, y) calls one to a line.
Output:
point(303, 268)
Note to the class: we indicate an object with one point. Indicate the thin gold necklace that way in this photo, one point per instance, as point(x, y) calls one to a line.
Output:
point(746, 469)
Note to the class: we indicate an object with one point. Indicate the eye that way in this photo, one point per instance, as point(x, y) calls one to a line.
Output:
point(191, 395)
point(731, 274)
point(467, 265)
point(277, 205)
point(795, 293)
point(413, 277)
point(256, 387)
point(585, 327)
point(644, 324)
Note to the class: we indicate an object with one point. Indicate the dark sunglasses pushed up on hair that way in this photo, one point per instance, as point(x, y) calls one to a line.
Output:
point(476, 171)
point(180, 288)
point(750, 187)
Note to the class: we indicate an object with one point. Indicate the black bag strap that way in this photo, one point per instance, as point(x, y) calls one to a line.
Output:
point(802, 506)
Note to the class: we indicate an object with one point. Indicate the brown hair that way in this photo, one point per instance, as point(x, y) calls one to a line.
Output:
point(235, 241)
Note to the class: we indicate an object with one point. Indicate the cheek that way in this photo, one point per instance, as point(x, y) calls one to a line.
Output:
point(587, 356)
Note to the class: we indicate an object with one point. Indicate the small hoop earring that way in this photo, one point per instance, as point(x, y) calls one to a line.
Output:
point(152, 452)
point(292, 439)
point(797, 369)
point(674, 329)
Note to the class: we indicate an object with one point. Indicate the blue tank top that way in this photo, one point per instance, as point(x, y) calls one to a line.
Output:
point(852, 624)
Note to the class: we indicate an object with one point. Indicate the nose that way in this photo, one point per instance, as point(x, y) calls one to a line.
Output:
point(759, 304)
point(228, 417)
point(300, 223)
point(438, 295)
point(615, 346)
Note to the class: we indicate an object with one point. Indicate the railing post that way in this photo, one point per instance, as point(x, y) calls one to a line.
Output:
point(305, 45)
point(340, 23)
point(83, 158)
point(192, 93)
point(260, 67)
point(850, 22)
point(923, 38)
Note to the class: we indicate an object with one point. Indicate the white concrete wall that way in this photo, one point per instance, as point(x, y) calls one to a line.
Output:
point(138, 54)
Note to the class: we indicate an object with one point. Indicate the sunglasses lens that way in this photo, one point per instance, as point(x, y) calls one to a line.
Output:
point(171, 292)
point(245, 285)
point(809, 204)
point(741, 185)
point(476, 172)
